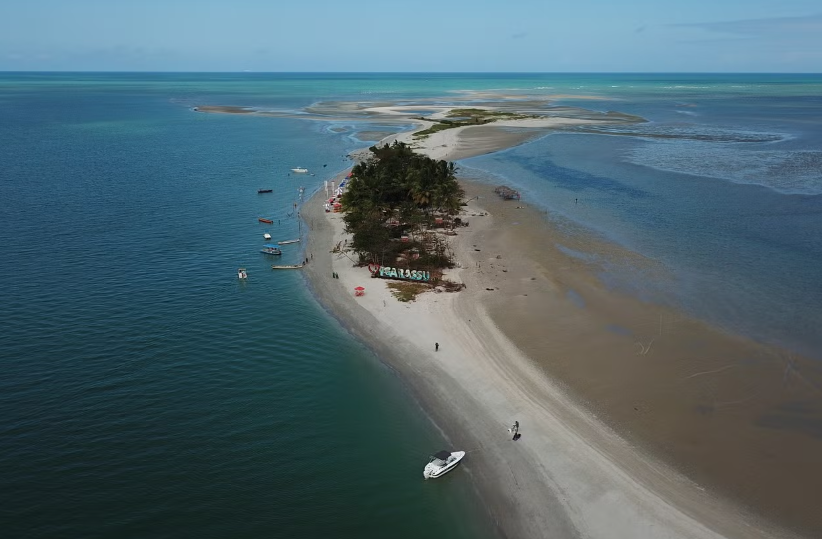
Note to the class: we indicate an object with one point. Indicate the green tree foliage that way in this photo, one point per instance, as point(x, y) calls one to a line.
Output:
point(394, 193)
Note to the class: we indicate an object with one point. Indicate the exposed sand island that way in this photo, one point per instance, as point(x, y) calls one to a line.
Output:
point(615, 397)
point(531, 339)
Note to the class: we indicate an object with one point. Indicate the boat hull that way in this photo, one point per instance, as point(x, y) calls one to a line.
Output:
point(435, 472)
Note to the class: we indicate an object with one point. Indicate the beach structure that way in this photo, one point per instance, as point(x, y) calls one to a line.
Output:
point(506, 193)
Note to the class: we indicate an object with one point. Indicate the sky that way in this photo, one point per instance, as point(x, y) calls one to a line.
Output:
point(412, 35)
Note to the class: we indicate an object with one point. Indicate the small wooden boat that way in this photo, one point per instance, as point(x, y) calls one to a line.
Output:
point(291, 266)
point(267, 221)
point(269, 249)
point(261, 191)
point(286, 242)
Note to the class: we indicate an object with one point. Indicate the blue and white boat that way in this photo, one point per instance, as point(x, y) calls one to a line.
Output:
point(269, 249)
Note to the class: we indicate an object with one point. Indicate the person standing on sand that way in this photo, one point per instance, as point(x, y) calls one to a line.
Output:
point(515, 429)
point(436, 347)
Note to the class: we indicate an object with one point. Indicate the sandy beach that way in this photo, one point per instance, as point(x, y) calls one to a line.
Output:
point(534, 337)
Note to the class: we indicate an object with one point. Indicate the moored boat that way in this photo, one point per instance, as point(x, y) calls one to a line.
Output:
point(269, 249)
point(267, 236)
point(299, 170)
point(441, 463)
point(261, 191)
point(267, 221)
point(286, 242)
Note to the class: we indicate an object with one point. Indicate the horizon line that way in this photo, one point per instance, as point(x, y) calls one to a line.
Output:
point(250, 72)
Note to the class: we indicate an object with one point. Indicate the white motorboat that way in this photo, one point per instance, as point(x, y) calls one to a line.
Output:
point(441, 463)
point(267, 236)
point(299, 170)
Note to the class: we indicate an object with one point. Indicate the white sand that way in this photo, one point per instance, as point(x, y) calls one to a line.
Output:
point(451, 144)
point(569, 475)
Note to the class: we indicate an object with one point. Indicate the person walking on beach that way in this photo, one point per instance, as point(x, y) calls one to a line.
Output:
point(515, 429)
point(436, 347)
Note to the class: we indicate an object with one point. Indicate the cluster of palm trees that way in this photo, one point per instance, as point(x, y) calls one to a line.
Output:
point(398, 194)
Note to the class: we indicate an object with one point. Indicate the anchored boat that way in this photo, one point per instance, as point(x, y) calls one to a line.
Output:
point(261, 191)
point(267, 221)
point(299, 170)
point(269, 249)
point(286, 242)
point(441, 463)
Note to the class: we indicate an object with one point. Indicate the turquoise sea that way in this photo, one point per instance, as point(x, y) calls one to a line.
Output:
point(147, 392)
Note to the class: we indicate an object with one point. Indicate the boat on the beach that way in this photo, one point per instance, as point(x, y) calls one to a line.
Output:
point(289, 266)
point(261, 191)
point(299, 170)
point(286, 242)
point(441, 463)
point(267, 221)
point(269, 249)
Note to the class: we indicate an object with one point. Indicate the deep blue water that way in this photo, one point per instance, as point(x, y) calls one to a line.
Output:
point(146, 392)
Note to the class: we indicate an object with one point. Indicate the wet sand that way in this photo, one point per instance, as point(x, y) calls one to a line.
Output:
point(570, 475)
point(639, 421)
point(737, 417)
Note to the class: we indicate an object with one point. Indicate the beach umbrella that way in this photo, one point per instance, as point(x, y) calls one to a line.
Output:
point(359, 288)
point(359, 291)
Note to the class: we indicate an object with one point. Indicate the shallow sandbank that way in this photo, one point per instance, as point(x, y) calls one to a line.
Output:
point(570, 475)
point(735, 416)
point(550, 345)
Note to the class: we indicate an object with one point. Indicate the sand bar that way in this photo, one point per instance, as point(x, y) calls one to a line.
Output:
point(510, 349)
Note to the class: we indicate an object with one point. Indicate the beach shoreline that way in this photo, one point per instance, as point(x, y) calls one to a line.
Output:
point(541, 485)
point(642, 493)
